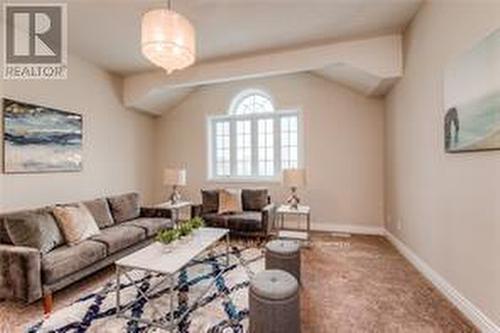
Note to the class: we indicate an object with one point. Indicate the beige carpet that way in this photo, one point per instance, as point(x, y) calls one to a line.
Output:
point(353, 284)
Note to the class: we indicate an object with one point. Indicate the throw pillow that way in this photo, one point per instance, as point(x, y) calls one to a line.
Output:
point(254, 200)
point(99, 208)
point(36, 229)
point(210, 201)
point(125, 207)
point(230, 201)
point(76, 222)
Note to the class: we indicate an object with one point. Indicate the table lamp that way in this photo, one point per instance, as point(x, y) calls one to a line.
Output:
point(175, 178)
point(294, 178)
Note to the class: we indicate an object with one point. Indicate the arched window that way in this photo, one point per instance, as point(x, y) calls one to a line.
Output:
point(251, 101)
point(254, 141)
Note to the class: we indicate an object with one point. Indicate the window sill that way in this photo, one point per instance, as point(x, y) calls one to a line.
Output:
point(244, 180)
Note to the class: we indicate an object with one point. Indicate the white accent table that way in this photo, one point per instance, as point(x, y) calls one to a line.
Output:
point(175, 208)
point(300, 211)
point(167, 260)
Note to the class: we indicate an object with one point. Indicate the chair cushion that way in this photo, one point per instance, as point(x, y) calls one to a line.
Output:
point(283, 247)
point(120, 237)
point(99, 208)
point(66, 260)
point(151, 224)
point(254, 199)
point(274, 284)
point(76, 222)
point(215, 220)
point(246, 221)
point(210, 201)
point(125, 207)
point(36, 228)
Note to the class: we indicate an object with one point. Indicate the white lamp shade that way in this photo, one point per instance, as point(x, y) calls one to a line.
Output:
point(168, 39)
point(174, 177)
point(294, 177)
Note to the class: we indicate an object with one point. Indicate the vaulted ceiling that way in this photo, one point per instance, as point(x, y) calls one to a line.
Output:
point(107, 33)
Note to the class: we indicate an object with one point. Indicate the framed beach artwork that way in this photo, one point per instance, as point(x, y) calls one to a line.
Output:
point(472, 98)
point(40, 139)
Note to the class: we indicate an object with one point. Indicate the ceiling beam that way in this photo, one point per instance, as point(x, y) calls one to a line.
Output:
point(379, 59)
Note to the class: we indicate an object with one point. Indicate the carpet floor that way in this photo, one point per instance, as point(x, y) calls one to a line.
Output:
point(350, 284)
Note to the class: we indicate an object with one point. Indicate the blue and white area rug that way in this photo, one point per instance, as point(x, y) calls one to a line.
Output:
point(224, 308)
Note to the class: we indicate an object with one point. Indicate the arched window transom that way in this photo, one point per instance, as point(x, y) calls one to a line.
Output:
point(252, 101)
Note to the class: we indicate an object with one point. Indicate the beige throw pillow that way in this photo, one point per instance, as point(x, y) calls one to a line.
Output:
point(230, 201)
point(76, 223)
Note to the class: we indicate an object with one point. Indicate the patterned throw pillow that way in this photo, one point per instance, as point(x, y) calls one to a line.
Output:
point(36, 228)
point(230, 201)
point(76, 222)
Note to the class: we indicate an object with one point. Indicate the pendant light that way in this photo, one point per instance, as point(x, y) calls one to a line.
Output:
point(168, 39)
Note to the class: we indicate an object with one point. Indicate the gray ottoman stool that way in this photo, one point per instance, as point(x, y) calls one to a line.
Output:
point(274, 303)
point(285, 255)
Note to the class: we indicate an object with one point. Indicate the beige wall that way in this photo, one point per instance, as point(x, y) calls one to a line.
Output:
point(343, 134)
point(118, 142)
point(448, 206)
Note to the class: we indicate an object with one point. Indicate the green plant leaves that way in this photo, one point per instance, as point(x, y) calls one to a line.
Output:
point(185, 228)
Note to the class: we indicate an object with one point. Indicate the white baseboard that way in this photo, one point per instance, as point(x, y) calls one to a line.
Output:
point(474, 314)
point(348, 228)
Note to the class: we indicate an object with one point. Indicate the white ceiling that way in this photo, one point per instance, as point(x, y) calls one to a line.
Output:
point(107, 32)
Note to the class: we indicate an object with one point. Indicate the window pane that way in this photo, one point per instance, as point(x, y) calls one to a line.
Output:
point(266, 147)
point(222, 148)
point(243, 148)
point(289, 142)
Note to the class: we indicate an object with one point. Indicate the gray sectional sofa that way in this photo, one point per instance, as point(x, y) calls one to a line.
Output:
point(35, 261)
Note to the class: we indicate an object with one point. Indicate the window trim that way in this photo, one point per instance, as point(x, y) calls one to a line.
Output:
point(276, 114)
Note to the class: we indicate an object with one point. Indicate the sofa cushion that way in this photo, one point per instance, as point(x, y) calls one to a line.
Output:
point(215, 220)
point(125, 207)
point(99, 208)
point(151, 224)
point(66, 260)
point(120, 237)
point(254, 199)
point(246, 221)
point(76, 223)
point(4, 236)
point(36, 228)
point(210, 201)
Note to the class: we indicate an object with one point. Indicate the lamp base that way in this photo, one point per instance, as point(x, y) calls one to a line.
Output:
point(175, 197)
point(293, 200)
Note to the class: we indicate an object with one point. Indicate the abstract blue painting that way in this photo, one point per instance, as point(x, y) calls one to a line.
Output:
point(40, 139)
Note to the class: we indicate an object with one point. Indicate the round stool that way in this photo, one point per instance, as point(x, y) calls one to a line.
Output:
point(285, 255)
point(274, 303)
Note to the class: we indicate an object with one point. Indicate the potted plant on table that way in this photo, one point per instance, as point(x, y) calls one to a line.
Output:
point(184, 231)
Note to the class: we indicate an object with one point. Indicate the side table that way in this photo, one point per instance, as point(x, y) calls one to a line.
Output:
point(175, 208)
point(300, 211)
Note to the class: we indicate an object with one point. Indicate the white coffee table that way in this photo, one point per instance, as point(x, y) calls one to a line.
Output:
point(167, 260)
